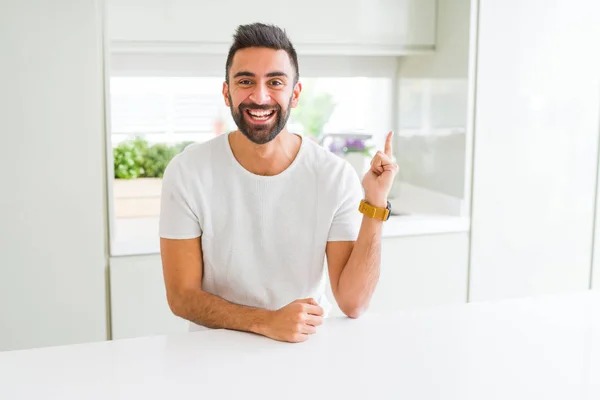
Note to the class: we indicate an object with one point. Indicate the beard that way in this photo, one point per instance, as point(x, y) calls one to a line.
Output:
point(260, 133)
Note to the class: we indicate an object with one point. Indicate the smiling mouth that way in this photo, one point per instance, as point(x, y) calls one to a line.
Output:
point(260, 115)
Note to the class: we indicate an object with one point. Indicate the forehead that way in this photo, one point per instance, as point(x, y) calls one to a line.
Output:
point(260, 61)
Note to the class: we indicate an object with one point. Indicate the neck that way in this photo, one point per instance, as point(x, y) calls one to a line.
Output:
point(265, 159)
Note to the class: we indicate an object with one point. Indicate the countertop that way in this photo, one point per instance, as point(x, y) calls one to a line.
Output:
point(535, 348)
point(140, 235)
point(422, 224)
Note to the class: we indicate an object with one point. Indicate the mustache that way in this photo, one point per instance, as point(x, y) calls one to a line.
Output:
point(254, 106)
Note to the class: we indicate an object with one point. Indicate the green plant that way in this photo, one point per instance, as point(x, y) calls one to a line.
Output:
point(313, 110)
point(136, 159)
point(128, 159)
point(157, 158)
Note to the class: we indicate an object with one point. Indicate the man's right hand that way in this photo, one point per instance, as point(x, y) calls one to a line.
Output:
point(294, 322)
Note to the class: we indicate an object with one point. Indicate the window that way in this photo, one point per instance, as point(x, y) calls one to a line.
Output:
point(352, 102)
point(152, 119)
point(167, 109)
point(431, 145)
point(158, 105)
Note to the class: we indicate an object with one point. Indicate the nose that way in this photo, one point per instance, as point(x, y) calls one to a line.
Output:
point(260, 95)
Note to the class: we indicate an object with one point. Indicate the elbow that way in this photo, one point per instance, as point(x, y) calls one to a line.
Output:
point(353, 306)
point(174, 300)
point(180, 301)
point(174, 306)
point(354, 311)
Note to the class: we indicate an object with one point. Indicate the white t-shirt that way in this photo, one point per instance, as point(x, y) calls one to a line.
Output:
point(263, 237)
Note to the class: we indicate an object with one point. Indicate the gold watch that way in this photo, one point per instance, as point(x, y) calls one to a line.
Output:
point(380, 213)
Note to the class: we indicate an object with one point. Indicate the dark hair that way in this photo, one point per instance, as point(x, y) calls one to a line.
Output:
point(261, 35)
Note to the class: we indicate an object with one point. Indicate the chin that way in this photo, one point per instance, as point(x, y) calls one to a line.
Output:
point(260, 137)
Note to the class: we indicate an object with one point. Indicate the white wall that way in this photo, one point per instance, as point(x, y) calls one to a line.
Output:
point(595, 272)
point(422, 271)
point(595, 284)
point(52, 207)
point(536, 141)
point(432, 107)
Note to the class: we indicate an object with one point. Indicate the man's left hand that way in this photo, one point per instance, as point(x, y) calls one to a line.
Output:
point(378, 181)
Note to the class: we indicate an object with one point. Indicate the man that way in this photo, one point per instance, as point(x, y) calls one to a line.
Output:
point(248, 217)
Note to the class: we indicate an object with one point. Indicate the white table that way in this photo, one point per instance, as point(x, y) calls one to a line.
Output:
point(544, 348)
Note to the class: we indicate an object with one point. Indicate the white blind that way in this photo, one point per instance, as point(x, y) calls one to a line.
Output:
point(136, 113)
point(162, 105)
point(195, 112)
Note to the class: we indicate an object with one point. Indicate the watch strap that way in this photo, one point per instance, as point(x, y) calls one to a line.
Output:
point(379, 213)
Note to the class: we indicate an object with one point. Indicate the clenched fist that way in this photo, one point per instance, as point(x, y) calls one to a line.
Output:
point(294, 322)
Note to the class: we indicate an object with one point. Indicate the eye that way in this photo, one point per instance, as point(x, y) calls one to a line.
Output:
point(245, 82)
point(276, 82)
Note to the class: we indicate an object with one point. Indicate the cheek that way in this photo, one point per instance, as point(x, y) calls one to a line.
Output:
point(234, 102)
point(239, 96)
point(283, 99)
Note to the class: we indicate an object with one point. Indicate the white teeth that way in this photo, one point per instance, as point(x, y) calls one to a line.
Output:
point(260, 113)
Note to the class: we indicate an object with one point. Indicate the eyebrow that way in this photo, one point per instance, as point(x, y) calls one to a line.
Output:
point(251, 75)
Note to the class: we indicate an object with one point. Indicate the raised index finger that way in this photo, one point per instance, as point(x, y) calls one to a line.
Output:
point(388, 145)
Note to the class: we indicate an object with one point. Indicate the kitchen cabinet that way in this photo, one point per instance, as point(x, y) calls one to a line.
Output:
point(416, 271)
point(420, 271)
point(536, 148)
point(333, 27)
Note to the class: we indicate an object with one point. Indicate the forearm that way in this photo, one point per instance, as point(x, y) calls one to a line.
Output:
point(212, 311)
point(360, 275)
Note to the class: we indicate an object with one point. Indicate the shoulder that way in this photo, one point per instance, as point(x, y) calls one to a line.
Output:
point(202, 152)
point(198, 156)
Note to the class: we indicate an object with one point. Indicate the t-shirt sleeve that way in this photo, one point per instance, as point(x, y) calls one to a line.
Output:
point(178, 218)
point(347, 219)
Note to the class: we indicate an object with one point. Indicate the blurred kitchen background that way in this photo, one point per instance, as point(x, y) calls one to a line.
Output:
point(495, 107)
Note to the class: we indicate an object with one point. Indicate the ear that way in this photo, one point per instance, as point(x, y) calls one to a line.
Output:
point(296, 94)
point(226, 94)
